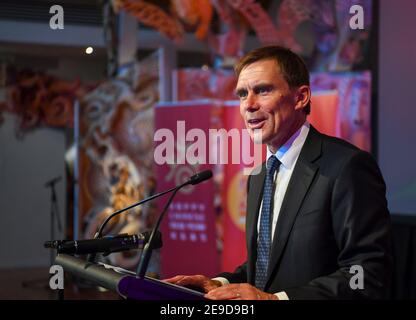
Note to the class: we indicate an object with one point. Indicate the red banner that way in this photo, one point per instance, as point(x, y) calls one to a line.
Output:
point(189, 236)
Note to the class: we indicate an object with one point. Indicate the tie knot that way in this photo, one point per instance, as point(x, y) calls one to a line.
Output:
point(272, 164)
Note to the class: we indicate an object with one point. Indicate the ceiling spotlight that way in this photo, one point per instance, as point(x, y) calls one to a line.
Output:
point(89, 50)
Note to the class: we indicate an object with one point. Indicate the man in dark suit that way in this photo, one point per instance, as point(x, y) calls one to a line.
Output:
point(317, 223)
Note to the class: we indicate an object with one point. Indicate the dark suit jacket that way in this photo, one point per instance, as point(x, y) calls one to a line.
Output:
point(334, 215)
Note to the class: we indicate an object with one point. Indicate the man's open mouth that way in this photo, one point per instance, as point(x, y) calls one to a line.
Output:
point(256, 123)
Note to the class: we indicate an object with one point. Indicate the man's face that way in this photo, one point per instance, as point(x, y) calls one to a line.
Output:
point(268, 106)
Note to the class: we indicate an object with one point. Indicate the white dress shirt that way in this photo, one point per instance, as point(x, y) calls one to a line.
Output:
point(288, 155)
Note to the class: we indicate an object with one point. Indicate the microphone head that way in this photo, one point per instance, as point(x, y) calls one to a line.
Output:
point(157, 239)
point(53, 244)
point(50, 244)
point(200, 177)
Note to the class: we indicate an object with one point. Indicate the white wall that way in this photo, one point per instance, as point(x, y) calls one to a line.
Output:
point(397, 103)
point(25, 166)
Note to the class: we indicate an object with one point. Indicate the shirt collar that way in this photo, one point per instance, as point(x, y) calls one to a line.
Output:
point(289, 152)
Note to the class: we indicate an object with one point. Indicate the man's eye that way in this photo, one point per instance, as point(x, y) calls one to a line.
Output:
point(242, 94)
point(263, 90)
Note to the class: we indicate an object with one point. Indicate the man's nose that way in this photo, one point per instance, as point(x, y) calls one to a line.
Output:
point(251, 103)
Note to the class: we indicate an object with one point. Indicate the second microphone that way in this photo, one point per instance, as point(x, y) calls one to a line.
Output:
point(107, 245)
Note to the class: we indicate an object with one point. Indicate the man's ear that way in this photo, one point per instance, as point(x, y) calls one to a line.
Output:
point(302, 97)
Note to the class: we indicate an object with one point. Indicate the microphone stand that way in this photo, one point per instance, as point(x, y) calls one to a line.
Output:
point(195, 179)
point(54, 211)
point(147, 249)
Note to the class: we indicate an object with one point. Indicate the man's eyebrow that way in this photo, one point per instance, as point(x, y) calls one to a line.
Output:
point(263, 85)
point(239, 91)
point(260, 85)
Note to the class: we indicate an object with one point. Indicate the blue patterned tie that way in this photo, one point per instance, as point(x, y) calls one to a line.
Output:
point(264, 239)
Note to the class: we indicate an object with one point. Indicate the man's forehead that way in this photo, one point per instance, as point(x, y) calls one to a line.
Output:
point(264, 63)
point(261, 71)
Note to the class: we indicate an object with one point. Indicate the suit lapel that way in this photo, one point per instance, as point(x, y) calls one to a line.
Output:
point(299, 184)
point(254, 197)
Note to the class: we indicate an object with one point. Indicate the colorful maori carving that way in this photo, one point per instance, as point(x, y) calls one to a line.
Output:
point(41, 99)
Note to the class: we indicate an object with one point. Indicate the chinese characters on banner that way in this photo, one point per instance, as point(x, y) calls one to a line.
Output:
point(189, 236)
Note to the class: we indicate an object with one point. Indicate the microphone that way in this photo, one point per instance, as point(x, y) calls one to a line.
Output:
point(195, 179)
point(52, 181)
point(147, 250)
point(108, 244)
point(200, 177)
